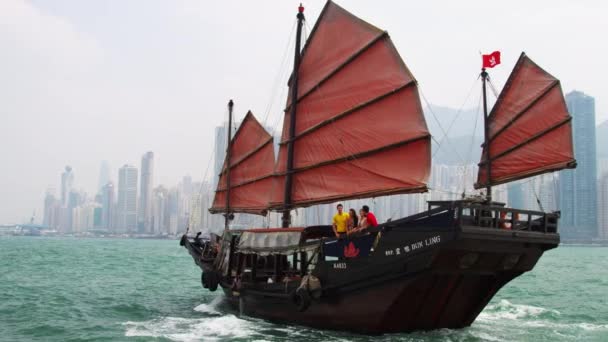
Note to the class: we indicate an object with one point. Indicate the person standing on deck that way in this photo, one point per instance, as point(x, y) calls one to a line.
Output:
point(340, 222)
point(371, 218)
point(353, 220)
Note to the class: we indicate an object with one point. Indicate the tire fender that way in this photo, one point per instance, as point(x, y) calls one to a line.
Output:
point(301, 299)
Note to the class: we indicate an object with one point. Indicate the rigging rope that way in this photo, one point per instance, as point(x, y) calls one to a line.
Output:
point(200, 191)
point(494, 91)
point(445, 132)
point(540, 205)
point(470, 150)
point(439, 143)
point(280, 75)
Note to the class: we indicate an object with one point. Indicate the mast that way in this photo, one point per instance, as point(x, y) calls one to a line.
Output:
point(287, 202)
point(228, 161)
point(486, 124)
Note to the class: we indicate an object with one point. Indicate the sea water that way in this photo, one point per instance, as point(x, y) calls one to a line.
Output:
point(72, 289)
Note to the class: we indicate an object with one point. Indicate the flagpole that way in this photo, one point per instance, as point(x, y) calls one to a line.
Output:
point(484, 76)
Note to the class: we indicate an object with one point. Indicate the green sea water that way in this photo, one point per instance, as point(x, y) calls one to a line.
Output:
point(70, 289)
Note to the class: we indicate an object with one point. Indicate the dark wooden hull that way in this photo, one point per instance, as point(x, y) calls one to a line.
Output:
point(423, 275)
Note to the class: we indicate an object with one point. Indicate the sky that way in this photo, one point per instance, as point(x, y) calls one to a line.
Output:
point(86, 81)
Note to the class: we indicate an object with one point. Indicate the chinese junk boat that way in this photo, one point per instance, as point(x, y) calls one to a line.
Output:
point(354, 113)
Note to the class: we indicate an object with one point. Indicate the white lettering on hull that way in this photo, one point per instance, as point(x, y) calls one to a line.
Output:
point(414, 246)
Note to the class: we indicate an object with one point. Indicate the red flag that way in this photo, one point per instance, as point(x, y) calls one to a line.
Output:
point(491, 60)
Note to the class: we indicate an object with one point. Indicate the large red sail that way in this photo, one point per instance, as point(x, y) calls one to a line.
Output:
point(360, 130)
point(251, 170)
point(530, 128)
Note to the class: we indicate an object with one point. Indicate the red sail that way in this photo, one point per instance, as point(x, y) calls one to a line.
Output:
point(530, 128)
point(251, 170)
point(360, 130)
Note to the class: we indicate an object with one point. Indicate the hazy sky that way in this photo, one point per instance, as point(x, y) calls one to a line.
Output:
point(86, 81)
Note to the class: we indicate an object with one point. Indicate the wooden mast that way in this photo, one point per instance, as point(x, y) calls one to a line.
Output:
point(228, 160)
point(484, 76)
point(287, 202)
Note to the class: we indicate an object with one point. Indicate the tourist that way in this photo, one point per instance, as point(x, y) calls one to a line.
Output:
point(362, 223)
point(371, 218)
point(353, 220)
point(340, 222)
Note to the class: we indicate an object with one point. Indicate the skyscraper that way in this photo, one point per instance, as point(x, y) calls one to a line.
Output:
point(603, 205)
point(577, 188)
point(107, 206)
point(220, 152)
point(104, 175)
point(160, 211)
point(145, 192)
point(50, 218)
point(67, 182)
point(127, 200)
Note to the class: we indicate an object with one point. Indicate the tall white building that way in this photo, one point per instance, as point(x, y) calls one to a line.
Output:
point(67, 182)
point(160, 211)
point(52, 210)
point(146, 192)
point(104, 175)
point(127, 200)
point(108, 206)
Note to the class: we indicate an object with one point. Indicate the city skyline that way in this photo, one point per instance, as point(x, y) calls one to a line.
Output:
point(175, 206)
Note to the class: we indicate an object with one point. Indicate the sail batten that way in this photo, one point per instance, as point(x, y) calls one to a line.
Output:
point(251, 171)
point(360, 154)
point(349, 111)
point(528, 141)
point(311, 88)
point(523, 111)
point(248, 155)
point(530, 129)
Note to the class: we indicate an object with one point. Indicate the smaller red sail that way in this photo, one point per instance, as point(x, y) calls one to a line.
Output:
point(530, 130)
point(251, 171)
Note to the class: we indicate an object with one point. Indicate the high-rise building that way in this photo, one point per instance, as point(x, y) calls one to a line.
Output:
point(83, 217)
point(146, 193)
point(51, 204)
point(187, 187)
point(160, 209)
point(67, 182)
point(220, 152)
point(104, 175)
point(108, 211)
point(515, 195)
point(173, 210)
point(217, 220)
point(126, 207)
point(603, 205)
point(577, 188)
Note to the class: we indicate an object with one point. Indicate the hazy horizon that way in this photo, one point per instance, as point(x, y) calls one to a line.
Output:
point(83, 82)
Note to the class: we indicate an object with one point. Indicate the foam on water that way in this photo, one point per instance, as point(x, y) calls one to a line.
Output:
point(210, 308)
point(192, 329)
point(511, 317)
point(507, 310)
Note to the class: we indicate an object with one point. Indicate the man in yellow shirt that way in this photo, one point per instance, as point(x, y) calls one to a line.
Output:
point(340, 222)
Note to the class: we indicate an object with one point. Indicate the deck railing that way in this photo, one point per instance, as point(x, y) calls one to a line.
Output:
point(496, 215)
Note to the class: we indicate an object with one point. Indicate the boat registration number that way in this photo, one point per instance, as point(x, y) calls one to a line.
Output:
point(340, 265)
